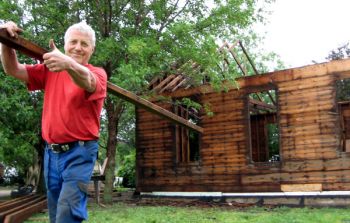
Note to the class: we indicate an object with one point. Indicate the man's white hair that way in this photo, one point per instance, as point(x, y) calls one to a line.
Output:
point(84, 28)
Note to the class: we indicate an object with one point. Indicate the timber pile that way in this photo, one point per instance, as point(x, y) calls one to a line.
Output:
point(19, 209)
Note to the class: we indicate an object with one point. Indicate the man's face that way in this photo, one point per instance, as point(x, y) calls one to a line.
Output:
point(79, 46)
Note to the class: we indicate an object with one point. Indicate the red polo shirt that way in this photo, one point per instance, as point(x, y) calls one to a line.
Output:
point(70, 113)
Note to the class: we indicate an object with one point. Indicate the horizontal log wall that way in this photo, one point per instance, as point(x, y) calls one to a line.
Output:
point(309, 142)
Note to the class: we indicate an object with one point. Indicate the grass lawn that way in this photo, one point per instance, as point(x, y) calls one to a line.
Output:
point(126, 213)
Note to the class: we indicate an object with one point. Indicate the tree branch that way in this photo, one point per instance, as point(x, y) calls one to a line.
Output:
point(167, 20)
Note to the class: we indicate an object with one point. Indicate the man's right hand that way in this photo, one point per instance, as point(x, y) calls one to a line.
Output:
point(8, 55)
point(12, 29)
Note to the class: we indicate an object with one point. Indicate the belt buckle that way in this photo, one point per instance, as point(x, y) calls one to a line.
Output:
point(56, 148)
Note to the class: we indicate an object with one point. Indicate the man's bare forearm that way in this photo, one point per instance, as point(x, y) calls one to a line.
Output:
point(82, 76)
point(8, 58)
point(11, 65)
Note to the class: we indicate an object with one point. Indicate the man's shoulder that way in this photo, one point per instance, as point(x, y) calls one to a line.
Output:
point(94, 69)
point(98, 71)
point(35, 68)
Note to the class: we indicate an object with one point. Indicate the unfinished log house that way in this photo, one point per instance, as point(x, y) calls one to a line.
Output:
point(277, 131)
point(300, 137)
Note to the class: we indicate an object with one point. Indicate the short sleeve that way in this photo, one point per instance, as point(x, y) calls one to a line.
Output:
point(101, 84)
point(36, 76)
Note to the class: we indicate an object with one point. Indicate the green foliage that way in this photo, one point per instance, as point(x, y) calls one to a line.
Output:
point(19, 124)
point(343, 86)
point(341, 52)
point(11, 10)
point(127, 169)
point(273, 139)
point(187, 102)
point(343, 90)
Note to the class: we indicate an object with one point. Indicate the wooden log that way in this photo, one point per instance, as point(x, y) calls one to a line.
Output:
point(236, 122)
point(306, 83)
point(150, 128)
point(223, 135)
point(6, 205)
point(26, 212)
point(23, 45)
point(5, 216)
point(140, 102)
point(304, 100)
point(308, 118)
point(153, 135)
point(312, 155)
point(223, 95)
point(338, 164)
point(223, 118)
point(294, 131)
point(216, 130)
point(303, 148)
point(299, 110)
point(313, 93)
point(33, 50)
point(220, 99)
point(342, 75)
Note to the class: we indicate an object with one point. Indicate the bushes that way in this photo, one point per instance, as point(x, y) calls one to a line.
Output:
point(127, 169)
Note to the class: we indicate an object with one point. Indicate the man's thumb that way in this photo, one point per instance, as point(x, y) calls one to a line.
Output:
point(52, 45)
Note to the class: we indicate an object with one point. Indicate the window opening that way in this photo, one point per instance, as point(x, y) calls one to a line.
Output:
point(264, 129)
point(187, 141)
point(343, 102)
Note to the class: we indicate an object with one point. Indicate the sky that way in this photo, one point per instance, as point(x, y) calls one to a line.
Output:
point(303, 31)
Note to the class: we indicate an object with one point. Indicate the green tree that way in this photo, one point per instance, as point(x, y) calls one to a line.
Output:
point(139, 40)
point(343, 86)
point(20, 142)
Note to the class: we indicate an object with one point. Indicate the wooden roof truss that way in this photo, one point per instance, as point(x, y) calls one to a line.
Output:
point(174, 81)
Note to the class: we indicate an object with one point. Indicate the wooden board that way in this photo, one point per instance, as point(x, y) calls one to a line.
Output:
point(301, 187)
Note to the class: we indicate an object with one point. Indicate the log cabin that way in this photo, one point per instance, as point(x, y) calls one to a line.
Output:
point(297, 138)
point(300, 136)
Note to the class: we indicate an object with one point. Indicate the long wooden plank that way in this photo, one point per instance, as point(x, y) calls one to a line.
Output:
point(25, 46)
point(149, 106)
point(15, 202)
point(25, 213)
point(30, 49)
point(20, 207)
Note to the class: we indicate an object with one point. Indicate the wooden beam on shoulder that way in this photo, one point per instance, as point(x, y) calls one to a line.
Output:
point(23, 45)
point(32, 50)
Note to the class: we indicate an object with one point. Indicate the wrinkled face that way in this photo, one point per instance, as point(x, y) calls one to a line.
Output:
point(79, 46)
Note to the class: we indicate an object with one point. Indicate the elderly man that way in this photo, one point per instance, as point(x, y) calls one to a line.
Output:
point(73, 100)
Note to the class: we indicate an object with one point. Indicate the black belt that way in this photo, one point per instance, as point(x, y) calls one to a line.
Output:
point(64, 147)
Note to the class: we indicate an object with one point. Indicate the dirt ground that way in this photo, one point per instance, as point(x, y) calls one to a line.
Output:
point(135, 200)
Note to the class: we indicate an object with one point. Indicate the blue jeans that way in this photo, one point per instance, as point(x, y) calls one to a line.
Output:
point(67, 175)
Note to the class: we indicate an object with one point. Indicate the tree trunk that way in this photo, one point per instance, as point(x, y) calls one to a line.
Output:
point(40, 147)
point(114, 110)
